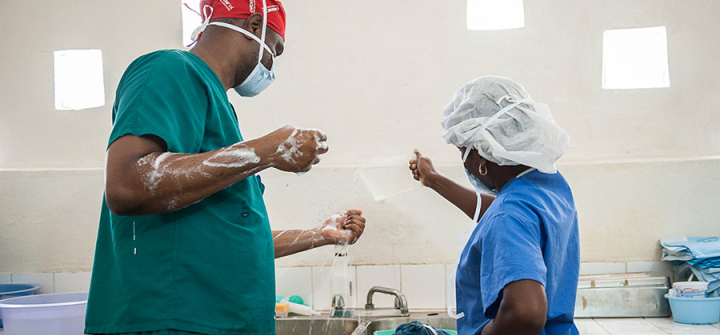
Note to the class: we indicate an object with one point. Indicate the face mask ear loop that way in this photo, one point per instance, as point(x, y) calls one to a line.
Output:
point(264, 31)
point(240, 30)
point(467, 153)
point(196, 33)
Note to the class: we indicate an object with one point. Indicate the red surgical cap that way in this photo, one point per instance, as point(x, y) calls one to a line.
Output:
point(242, 9)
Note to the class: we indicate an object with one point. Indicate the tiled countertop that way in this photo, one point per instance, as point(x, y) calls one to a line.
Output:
point(636, 327)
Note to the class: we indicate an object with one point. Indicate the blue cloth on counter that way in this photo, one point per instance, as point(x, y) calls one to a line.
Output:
point(706, 263)
point(701, 255)
point(530, 232)
point(697, 248)
point(417, 328)
point(712, 276)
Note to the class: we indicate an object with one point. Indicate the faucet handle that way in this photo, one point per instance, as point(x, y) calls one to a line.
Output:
point(338, 302)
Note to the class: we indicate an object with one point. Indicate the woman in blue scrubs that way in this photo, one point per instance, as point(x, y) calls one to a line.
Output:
point(518, 272)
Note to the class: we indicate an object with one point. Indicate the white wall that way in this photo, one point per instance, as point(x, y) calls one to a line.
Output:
point(375, 75)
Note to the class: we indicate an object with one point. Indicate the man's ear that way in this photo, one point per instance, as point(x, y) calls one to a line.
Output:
point(254, 24)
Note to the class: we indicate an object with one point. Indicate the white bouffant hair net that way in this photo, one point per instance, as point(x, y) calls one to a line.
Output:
point(497, 117)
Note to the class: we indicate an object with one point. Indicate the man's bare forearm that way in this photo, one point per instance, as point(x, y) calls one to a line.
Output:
point(288, 242)
point(163, 181)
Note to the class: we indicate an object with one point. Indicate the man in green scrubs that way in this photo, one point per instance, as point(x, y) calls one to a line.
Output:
point(184, 244)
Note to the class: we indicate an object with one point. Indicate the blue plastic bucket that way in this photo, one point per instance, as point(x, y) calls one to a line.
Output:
point(16, 290)
point(695, 310)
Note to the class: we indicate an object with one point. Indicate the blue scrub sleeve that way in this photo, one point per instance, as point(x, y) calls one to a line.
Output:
point(156, 98)
point(511, 251)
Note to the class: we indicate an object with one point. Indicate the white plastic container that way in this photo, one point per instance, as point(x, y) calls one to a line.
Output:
point(301, 309)
point(690, 289)
point(45, 314)
point(389, 177)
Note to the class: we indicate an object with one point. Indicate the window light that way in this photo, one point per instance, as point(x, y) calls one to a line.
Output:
point(78, 79)
point(495, 14)
point(635, 58)
point(190, 21)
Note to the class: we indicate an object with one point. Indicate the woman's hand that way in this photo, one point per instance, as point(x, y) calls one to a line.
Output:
point(422, 169)
point(344, 227)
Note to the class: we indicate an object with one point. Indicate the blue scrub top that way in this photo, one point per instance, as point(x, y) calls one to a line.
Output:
point(529, 232)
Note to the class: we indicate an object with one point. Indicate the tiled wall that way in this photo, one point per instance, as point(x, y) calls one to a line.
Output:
point(425, 286)
point(428, 286)
point(638, 171)
point(60, 282)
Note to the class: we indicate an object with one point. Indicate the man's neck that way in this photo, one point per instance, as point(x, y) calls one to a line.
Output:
point(218, 63)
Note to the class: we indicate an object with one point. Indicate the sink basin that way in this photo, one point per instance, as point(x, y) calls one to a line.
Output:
point(377, 313)
point(319, 325)
point(367, 325)
point(437, 320)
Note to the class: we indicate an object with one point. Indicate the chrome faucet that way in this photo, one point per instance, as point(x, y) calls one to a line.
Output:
point(401, 305)
point(338, 302)
point(400, 299)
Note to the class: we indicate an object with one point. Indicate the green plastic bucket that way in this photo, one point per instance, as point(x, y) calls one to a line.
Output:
point(392, 331)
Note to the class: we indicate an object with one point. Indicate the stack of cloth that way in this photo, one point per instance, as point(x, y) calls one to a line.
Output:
point(418, 328)
point(699, 255)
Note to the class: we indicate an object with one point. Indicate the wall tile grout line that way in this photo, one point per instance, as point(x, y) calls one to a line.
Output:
point(601, 326)
point(401, 277)
point(656, 326)
point(358, 301)
point(445, 285)
point(312, 289)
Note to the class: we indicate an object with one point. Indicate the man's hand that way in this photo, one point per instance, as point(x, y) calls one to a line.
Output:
point(297, 150)
point(341, 228)
point(344, 227)
point(422, 168)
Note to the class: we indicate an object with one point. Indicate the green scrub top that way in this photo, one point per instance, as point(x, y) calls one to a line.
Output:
point(207, 268)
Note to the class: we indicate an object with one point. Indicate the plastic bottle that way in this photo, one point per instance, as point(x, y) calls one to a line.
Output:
point(301, 309)
point(340, 283)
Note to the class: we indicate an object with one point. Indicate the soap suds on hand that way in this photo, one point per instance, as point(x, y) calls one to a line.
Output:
point(290, 149)
point(336, 221)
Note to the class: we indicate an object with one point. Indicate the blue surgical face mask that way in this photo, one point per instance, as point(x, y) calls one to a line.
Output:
point(260, 77)
point(479, 186)
point(258, 80)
